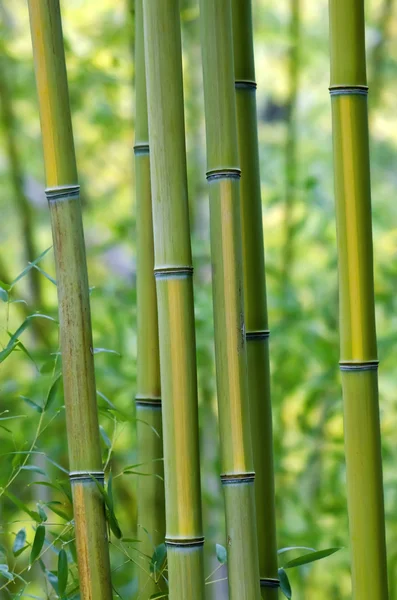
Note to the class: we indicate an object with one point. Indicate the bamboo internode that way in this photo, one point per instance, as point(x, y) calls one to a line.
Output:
point(230, 344)
point(74, 309)
point(174, 283)
point(256, 319)
point(356, 295)
point(150, 489)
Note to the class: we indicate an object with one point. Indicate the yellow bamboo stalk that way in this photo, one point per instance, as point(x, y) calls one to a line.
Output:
point(254, 277)
point(74, 309)
point(359, 362)
point(174, 284)
point(150, 493)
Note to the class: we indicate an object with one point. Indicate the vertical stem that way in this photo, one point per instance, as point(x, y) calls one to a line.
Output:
point(151, 504)
point(231, 362)
point(257, 327)
point(356, 297)
point(174, 282)
point(378, 53)
point(291, 145)
point(24, 208)
point(74, 308)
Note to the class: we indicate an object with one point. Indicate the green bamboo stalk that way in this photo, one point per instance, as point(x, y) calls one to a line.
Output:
point(257, 326)
point(74, 309)
point(150, 493)
point(23, 206)
point(230, 345)
point(379, 53)
point(359, 361)
point(291, 146)
point(174, 283)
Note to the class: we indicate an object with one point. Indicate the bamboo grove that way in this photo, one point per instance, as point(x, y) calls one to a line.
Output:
point(169, 521)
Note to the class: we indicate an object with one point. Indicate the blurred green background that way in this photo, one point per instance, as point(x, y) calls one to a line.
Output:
point(291, 42)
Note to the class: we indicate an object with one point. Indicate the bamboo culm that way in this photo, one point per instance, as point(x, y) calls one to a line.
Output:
point(256, 318)
point(150, 489)
point(62, 192)
point(223, 176)
point(359, 361)
point(174, 284)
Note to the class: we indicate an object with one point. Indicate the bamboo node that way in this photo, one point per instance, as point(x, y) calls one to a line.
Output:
point(141, 149)
point(348, 90)
point(86, 476)
point(268, 582)
point(231, 173)
point(365, 365)
point(245, 84)
point(256, 336)
point(62, 192)
point(237, 478)
point(174, 272)
point(141, 400)
point(184, 543)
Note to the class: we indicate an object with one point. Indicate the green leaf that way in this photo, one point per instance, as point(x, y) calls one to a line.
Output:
point(3, 294)
point(105, 437)
point(100, 350)
point(310, 557)
point(32, 514)
point(284, 583)
point(6, 573)
point(111, 517)
point(19, 541)
point(62, 572)
point(38, 543)
point(292, 548)
point(52, 392)
point(32, 404)
point(42, 513)
point(29, 267)
point(221, 554)
point(110, 491)
point(33, 468)
point(59, 512)
point(158, 558)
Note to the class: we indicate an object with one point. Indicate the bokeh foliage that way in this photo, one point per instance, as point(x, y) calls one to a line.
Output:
point(308, 427)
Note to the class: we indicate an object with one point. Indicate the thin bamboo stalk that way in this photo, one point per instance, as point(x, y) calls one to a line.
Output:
point(150, 493)
point(230, 345)
point(359, 362)
point(23, 206)
point(174, 283)
point(291, 145)
point(257, 326)
point(74, 309)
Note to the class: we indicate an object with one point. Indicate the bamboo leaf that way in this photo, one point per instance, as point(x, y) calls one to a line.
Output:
point(158, 558)
point(221, 554)
point(310, 557)
point(105, 437)
point(52, 392)
point(62, 572)
point(3, 294)
point(19, 541)
point(33, 468)
point(4, 570)
point(284, 583)
point(37, 543)
point(32, 404)
point(29, 267)
point(291, 548)
point(42, 513)
point(32, 514)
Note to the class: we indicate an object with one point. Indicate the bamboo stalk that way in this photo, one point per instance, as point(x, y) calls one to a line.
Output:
point(257, 326)
point(23, 206)
point(151, 503)
point(230, 348)
point(291, 146)
point(174, 283)
point(74, 309)
point(356, 297)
